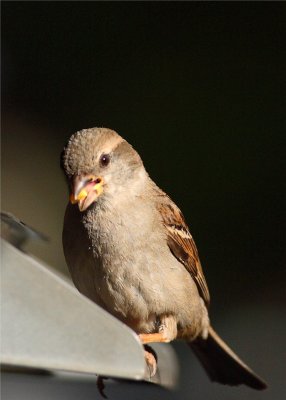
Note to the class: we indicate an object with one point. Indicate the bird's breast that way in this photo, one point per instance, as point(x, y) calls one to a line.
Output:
point(125, 266)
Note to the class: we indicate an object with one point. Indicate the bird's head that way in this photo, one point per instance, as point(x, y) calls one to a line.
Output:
point(98, 164)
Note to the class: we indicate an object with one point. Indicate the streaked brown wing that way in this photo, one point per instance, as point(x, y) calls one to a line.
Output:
point(182, 245)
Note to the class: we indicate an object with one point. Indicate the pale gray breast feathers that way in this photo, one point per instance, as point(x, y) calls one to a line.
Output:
point(119, 258)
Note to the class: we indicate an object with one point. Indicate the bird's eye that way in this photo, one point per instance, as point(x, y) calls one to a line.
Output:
point(104, 160)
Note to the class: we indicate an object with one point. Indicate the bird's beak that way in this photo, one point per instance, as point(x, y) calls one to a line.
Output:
point(85, 190)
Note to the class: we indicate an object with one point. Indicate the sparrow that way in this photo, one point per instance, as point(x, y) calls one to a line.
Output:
point(129, 249)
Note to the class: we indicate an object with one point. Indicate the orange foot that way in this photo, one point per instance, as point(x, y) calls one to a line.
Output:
point(151, 362)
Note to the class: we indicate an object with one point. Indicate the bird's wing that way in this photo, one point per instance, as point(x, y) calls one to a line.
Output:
point(181, 243)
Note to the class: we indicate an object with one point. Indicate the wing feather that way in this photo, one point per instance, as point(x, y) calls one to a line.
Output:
point(181, 243)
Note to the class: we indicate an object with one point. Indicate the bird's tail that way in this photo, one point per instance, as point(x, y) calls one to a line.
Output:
point(222, 364)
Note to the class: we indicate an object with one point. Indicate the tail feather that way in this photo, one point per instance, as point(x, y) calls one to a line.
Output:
point(222, 364)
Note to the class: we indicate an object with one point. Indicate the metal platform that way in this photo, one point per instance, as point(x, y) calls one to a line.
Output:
point(48, 325)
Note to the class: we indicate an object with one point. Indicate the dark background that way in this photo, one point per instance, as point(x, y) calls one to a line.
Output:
point(199, 91)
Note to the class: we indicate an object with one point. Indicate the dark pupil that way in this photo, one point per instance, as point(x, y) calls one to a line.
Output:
point(104, 159)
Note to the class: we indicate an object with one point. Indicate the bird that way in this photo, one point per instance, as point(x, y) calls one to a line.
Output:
point(129, 249)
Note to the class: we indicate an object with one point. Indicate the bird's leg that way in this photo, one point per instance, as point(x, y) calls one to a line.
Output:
point(167, 331)
point(152, 338)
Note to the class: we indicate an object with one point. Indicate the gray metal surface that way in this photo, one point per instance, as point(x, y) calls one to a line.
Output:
point(15, 386)
point(47, 324)
point(17, 232)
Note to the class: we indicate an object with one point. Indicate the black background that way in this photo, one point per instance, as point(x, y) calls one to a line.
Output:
point(199, 91)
